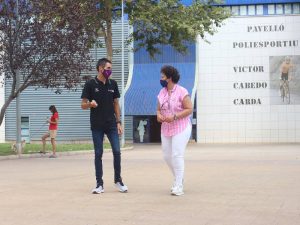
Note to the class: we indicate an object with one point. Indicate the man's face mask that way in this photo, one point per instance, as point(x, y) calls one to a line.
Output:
point(164, 83)
point(106, 73)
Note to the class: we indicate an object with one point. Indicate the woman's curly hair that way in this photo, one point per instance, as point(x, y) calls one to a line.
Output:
point(171, 72)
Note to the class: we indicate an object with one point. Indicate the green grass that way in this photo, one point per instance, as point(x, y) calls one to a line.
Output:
point(5, 149)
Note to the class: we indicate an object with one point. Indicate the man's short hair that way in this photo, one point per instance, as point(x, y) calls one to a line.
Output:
point(102, 62)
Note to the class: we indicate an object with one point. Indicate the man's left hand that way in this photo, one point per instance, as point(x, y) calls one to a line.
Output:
point(120, 129)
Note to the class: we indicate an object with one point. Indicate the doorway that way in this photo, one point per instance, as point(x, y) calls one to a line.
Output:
point(146, 129)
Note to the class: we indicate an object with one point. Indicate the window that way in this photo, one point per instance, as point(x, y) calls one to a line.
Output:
point(271, 9)
point(25, 129)
point(251, 10)
point(243, 10)
point(259, 10)
point(235, 10)
point(25, 122)
point(296, 8)
point(279, 9)
point(287, 8)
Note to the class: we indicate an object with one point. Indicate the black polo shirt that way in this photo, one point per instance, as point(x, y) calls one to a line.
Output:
point(103, 115)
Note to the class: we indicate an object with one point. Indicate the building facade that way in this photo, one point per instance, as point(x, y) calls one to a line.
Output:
point(249, 81)
point(237, 78)
point(235, 83)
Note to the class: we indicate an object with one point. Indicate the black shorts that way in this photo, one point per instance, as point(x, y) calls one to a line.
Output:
point(284, 76)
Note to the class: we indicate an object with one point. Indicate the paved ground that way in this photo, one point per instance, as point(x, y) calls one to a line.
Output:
point(224, 185)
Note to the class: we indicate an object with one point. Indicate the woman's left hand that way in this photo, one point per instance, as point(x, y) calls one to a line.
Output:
point(169, 119)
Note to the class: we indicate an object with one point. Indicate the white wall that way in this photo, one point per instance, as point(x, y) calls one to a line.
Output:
point(263, 43)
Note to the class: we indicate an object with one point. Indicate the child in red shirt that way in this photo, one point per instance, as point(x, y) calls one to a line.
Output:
point(53, 122)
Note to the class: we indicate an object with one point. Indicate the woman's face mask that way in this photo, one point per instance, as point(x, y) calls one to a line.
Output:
point(163, 83)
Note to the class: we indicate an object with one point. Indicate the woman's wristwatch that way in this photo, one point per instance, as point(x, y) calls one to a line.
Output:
point(175, 117)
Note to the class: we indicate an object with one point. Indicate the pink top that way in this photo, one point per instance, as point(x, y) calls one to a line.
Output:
point(170, 105)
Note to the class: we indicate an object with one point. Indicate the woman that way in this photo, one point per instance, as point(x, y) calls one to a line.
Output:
point(173, 111)
point(53, 122)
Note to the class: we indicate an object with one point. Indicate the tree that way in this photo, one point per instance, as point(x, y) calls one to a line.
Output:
point(49, 42)
point(46, 49)
point(170, 22)
point(155, 21)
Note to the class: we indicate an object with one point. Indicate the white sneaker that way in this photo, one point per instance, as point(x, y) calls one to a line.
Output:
point(121, 187)
point(173, 186)
point(99, 189)
point(177, 190)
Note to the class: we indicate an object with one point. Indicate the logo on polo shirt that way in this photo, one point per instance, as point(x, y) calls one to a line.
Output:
point(96, 90)
point(112, 91)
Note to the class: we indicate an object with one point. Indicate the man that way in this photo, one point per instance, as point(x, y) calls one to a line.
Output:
point(285, 69)
point(100, 95)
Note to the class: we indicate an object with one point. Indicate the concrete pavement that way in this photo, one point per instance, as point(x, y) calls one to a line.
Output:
point(224, 185)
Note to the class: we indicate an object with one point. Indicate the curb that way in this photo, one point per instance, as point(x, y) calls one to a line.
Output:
point(70, 153)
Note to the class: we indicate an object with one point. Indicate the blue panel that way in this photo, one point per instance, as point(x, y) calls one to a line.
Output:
point(186, 2)
point(265, 9)
point(141, 98)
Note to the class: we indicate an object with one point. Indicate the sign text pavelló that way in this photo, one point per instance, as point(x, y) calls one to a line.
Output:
point(259, 68)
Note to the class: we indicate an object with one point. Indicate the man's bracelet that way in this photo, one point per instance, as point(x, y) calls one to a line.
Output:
point(119, 122)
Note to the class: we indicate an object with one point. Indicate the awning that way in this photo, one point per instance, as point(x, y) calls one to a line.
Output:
point(141, 97)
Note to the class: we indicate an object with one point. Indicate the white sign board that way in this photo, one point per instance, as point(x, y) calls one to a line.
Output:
point(249, 82)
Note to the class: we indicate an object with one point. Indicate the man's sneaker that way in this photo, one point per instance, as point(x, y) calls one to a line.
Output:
point(99, 189)
point(177, 190)
point(121, 187)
